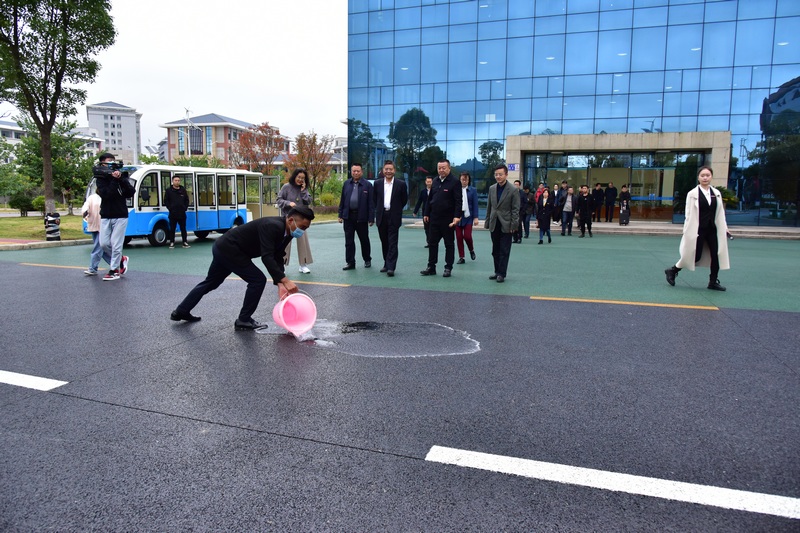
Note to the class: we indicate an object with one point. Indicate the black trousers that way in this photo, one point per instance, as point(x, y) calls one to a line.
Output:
point(174, 220)
point(501, 250)
point(585, 221)
point(610, 212)
point(351, 229)
point(389, 235)
point(222, 267)
point(441, 230)
point(708, 236)
point(598, 212)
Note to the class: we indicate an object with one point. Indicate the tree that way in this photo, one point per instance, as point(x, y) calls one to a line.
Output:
point(411, 134)
point(490, 157)
point(199, 161)
point(258, 148)
point(313, 154)
point(147, 159)
point(359, 144)
point(71, 167)
point(45, 45)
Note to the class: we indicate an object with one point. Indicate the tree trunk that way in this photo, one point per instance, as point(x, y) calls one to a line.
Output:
point(47, 171)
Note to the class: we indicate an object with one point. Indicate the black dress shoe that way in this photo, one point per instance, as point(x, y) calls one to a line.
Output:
point(715, 286)
point(390, 273)
point(384, 269)
point(460, 261)
point(179, 315)
point(349, 267)
point(493, 277)
point(582, 236)
point(428, 272)
point(427, 246)
point(367, 264)
point(549, 240)
point(670, 273)
point(247, 325)
point(500, 279)
point(472, 254)
point(540, 241)
point(590, 234)
point(447, 273)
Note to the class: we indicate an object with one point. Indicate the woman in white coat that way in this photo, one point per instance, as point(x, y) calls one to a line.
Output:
point(704, 241)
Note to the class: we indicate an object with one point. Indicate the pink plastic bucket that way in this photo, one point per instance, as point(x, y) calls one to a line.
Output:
point(296, 313)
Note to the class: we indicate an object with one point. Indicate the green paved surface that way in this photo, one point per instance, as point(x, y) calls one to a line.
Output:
point(764, 273)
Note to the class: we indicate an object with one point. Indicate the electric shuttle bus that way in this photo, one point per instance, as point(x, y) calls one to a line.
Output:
point(217, 200)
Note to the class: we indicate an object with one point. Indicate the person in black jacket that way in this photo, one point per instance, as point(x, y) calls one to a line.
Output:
point(114, 188)
point(422, 201)
point(599, 196)
point(176, 199)
point(266, 237)
point(584, 209)
point(611, 201)
point(356, 213)
point(443, 211)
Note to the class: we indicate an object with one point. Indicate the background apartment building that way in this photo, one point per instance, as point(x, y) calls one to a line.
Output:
point(119, 127)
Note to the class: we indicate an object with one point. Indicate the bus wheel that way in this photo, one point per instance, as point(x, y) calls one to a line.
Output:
point(201, 234)
point(159, 235)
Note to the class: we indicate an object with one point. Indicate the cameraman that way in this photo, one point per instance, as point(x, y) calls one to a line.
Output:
point(113, 188)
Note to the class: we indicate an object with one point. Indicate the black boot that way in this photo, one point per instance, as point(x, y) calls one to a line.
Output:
point(713, 284)
point(671, 273)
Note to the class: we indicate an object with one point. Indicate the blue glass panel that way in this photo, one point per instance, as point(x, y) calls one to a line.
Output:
point(462, 60)
point(688, 103)
point(440, 92)
point(381, 4)
point(490, 110)
point(461, 112)
point(380, 67)
point(434, 35)
point(520, 27)
point(426, 92)
point(358, 42)
point(614, 20)
point(548, 59)
point(435, 16)
point(611, 106)
point(741, 77)
point(747, 101)
point(491, 59)
point(381, 21)
point(518, 109)
point(650, 3)
point(754, 42)
point(498, 89)
point(357, 69)
point(579, 107)
point(492, 30)
point(433, 63)
point(713, 123)
point(686, 14)
point(612, 5)
point(579, 85)
point(715, 103)
point(407, 38)
point(356, 6)
point(582, 22)
point(518, 128)
point(539, 87)
point(406, 94)
point(783, 73)
point(358, 23)
point(721, 11)
point(718, 44)
point(551, 7)
point(620, 84)
point(406, 65)
point(464, 12)
point(381, 39)
point(492, 10)
point(715, 78)
point(405, 3)
point(649, 49)
point(518, 9)
point(756, 9)
point(611, 125)
point(407, 18)
point(761, 77)
point(577, 127)
point(555, 86)
point(483, 90)
point(739, 124)
point(439, 115)
point(519, 88)
point(673, 80)
point(614, 51)
point(462, 91)
point(519, 60)
point(374, 95)
point(643, 18)
point(691, 80)
point(550, 25)
point(463, 32)
point(582, 6)
point(387, 95)
point(645, 105)
point(603, 83)
point(788, 7)
point(357, 97)
point(684, 44)
point(459, 132)
point(786, 48)
point(581, 53)
point(647, 82)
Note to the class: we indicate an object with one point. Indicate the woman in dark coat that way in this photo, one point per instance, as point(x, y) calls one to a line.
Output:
point(544, 212)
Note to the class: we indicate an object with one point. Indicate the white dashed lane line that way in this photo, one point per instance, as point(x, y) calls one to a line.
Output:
point(29, 382)
point(740, 500)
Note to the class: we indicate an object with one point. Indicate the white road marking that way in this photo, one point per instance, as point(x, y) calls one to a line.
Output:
point(740, 500)
point(30, 382)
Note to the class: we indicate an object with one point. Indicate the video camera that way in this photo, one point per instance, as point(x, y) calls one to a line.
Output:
point(115, 165)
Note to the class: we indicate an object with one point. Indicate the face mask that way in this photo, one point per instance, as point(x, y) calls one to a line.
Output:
point(297, 232)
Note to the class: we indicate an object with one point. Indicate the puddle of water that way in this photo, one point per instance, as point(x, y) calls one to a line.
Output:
point(382, 339)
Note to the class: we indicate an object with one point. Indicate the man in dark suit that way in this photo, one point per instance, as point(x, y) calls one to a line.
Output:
point(390, 196)
point(443, 212)
point(611, 201)
point(422, 201)
point(502, 218)
point(598, 197)
point(356, 213)
point(232, 253)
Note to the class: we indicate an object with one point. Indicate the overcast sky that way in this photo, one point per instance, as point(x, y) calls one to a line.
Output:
point(277, 61)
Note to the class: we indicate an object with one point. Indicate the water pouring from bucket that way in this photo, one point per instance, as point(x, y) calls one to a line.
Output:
point(295, 313)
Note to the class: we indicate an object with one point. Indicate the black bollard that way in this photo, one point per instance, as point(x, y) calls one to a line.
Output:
point(52, 226)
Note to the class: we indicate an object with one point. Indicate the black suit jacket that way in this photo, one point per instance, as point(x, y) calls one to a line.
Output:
point(398, 202)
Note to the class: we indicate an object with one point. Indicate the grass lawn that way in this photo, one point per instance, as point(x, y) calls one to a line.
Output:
point(32, 227)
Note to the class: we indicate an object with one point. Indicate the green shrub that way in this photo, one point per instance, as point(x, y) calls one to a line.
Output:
point(22, 202)
point(327, 198)
point(38, 204)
